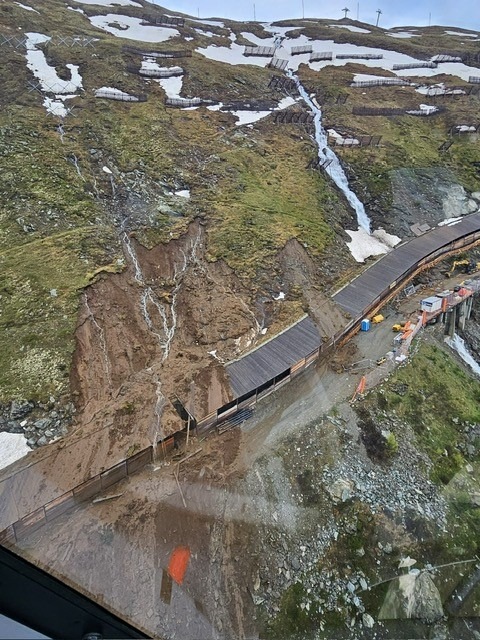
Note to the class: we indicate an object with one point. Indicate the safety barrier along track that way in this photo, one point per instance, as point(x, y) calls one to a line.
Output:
point(361, 297)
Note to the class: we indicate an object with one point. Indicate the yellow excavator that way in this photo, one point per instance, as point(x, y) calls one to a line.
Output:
point(470, 266)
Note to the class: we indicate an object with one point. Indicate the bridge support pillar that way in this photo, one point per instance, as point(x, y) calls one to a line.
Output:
point(462, 314)
point(451, 322)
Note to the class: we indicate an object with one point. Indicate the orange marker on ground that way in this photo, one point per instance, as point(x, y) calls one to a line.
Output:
point(178, 563)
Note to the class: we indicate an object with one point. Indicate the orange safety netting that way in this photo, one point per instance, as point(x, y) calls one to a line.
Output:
point(178, 563)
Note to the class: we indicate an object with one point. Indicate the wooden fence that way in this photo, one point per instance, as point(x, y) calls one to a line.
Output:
point(163, 21)
point(380, 82)
point(292, 117)
point(281, 83)
point(306, 48)
point(278, 63)
point(320, 56)
point(167, 72)
point(183, 102)
point(120, 97)
point(266, 52)
point(415, 65)
point(359, 56)
point(83, 492)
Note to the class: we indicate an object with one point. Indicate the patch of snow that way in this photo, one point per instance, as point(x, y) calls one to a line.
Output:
point(424, 109)
point(438, 90)
point(172, 86)
point(111, 91)
point(232, 55)
point(211, 23)
point(208, 34)
point(285, 102)
point(149, 63)
point(111, 3)
point(363, 245)
point(449, 221)
point(78, 10)
point(271, 28)
point(247, 117)
point(183, 193)
point(44, 73)
point(27, 8)
point(403, 34)
point(131, 28)
point(281, 296)
point(106, 170)
point(465, 128)
point(215, 107)
point(462, 34)
point(458, 344)
point(13, 446)
point(55, 107)
point(258, 42)
point(350, 27)
point(188, 38)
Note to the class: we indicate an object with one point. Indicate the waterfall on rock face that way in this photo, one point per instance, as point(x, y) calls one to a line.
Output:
point(458, 344)
point(334, 168)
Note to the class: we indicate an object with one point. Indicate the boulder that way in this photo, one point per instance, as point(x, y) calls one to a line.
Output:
point(341, 490)
point(20, 408)
point(413, 595)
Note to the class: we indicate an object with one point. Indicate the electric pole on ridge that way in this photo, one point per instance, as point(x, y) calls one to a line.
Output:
point(379, 13)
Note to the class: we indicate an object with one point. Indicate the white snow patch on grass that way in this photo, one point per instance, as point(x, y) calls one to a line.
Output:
point(208, 34)
point(111, 3)
point(55, 107)
point(271, 28)
point(44, 73)
point(78, 10)
point(363, 245)
point(131, 28)
point(183, 193)
point(27, 8)
point(13, 446)
point(462, 34)
point(424, 109)
point(172, 86)
point(247, 117)
point(232, 55)
point(259, 42)
point(106, 92)
point(403, 34)
point(211, 23)
point(350, 27)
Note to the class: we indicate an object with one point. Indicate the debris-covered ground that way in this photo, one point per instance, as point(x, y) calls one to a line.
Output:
point(298, 522)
